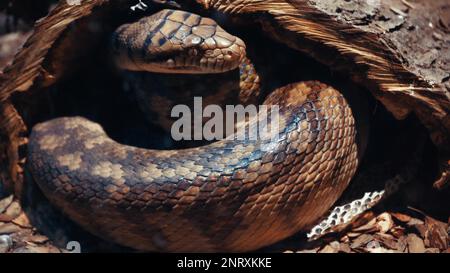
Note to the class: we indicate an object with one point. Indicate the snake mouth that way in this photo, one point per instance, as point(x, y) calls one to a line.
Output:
point(185, 69)
point(183, 64)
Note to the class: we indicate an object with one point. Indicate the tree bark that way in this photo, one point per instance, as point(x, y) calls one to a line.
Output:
point(398, 49)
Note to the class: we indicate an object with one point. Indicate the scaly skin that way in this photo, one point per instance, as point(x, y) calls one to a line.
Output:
point(232, 195)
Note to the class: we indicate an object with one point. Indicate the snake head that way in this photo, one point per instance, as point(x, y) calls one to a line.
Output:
point(173, 41)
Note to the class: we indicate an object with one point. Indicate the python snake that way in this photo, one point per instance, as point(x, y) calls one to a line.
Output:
point(231, 195)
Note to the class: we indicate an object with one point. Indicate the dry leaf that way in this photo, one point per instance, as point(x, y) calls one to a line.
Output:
point(343, 247)
point(422, 229)
point(361, 240)
point(353, 234)
point(436, 235)
point(37, 249)
point(4, 203)
point(314, 250)
point(415, 243)
point(375, 247)
point(345, 239)
point(401, 217)
point(22, 220)
point(384, 222)
point(39, 239)
point(398, 231)
point(328, 249)
point(5, 218)
point(14, 209)
point(9, 228)
point(387, 240)
point(432, 250)
point(370, 226)
point(402, 244)
point(415, 221)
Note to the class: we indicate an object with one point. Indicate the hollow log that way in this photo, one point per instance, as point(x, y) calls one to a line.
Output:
point(398, 49)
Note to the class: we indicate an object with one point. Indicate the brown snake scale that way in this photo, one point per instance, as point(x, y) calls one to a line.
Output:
point(231, 195)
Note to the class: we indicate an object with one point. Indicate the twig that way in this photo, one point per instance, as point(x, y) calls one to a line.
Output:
point(408, 4)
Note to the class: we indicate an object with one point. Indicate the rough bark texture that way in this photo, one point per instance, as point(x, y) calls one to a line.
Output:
point(399, 50)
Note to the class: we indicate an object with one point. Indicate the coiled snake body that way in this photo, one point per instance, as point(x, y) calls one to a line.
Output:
point(231, 195)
